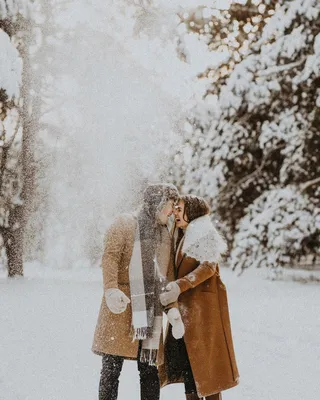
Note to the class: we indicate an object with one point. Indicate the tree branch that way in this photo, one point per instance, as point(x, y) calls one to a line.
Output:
point(304, 186)
point(256, 172)
point(279, 68)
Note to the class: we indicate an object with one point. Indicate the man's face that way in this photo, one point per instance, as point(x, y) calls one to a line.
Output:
point(165, 212)
point(179, 215)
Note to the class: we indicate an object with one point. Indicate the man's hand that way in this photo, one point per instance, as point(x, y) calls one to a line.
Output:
point(175, 320)
point(116, 300)
point(171, 294)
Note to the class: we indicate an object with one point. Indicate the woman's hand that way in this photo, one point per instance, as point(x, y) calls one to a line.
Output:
point(171, 294)
point(175, 320)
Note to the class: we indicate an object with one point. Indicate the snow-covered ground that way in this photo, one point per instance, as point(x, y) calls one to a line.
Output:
point(47, 321)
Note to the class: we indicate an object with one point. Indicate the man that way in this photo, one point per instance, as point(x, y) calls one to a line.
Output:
point(136, 263)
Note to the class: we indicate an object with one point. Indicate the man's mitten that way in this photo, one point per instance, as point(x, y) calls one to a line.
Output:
point(116, 300)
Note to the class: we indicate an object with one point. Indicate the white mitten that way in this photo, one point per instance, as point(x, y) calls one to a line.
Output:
point(171, 294)
point(116, 300)
point(175, 320)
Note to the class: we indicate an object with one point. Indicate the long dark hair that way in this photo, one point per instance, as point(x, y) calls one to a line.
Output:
point(194, 207)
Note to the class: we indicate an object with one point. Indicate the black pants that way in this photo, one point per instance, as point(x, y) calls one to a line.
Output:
point(188, 379)
point(177, 362)
point(110, 373)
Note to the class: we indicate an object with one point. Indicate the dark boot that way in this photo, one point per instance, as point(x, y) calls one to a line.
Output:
point(216, 396)
point(192, 396)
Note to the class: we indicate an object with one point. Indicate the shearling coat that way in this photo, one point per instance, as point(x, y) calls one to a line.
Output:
point(113, 334)
point(204, 309)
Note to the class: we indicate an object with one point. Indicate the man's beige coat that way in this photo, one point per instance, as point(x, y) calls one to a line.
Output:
point(113, 334)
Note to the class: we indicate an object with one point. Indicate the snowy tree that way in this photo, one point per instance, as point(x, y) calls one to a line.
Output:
point(254, 139)
point(13, 154)
point(279, 226)
point(227, 31)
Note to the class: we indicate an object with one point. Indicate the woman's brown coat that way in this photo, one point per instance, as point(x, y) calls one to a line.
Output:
point(204, 309)
point(113, 334)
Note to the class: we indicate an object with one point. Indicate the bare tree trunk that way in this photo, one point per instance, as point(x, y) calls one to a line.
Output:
point(13, 241)
point(29, 117)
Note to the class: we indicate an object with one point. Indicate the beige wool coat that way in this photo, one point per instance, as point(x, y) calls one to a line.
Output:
point(113, 333)
point(204, 309)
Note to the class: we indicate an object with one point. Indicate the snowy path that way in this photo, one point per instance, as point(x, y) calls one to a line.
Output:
point(47, 322)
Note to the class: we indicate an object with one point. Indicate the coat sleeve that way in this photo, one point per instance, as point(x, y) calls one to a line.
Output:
point(200, 274)
point(113, 248)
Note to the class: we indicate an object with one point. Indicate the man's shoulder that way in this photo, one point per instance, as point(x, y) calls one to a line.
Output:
point(125, 221)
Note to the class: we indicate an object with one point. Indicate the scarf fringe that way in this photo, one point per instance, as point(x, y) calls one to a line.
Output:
point(141, 333)
point(149, 356)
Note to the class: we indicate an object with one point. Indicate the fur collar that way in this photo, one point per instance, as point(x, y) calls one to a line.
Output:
point(203, 242)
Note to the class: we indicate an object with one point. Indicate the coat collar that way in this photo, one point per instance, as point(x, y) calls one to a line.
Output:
point(178, 253)
point(202, 241)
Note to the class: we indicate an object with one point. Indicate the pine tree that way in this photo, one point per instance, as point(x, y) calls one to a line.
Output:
point(253, 146)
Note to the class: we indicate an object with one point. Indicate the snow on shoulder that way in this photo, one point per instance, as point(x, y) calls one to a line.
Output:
point(203, 242)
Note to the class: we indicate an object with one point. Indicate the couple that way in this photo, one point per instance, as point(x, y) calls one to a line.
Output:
point(148, 270)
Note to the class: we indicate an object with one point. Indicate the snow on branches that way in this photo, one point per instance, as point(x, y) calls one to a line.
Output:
point(259, 143)
point(11, 8)
point(279, 226)
point(10, 66)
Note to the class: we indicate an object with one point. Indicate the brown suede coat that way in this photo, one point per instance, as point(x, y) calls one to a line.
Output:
point(113, 334)
point(204, 308)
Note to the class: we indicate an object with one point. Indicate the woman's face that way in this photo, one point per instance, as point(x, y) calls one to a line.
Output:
point(180, 218)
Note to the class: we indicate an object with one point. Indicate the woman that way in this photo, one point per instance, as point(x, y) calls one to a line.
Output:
point(204, 359)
